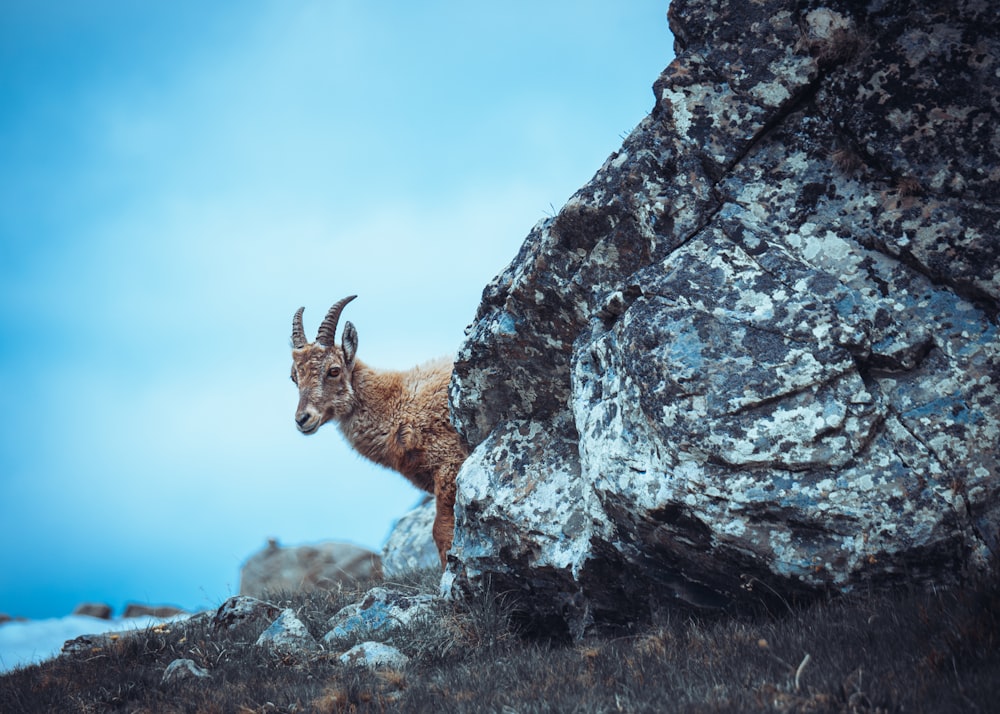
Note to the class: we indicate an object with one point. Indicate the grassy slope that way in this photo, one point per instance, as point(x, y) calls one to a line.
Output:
point(903, 651)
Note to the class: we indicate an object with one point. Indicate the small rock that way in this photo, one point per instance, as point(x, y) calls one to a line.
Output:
point(241, 608)
point(380, 611)
point(99, 610)
point(374, 655)
point(160, 611)
point(181, 669)
point(88, 643)
point(287, 635)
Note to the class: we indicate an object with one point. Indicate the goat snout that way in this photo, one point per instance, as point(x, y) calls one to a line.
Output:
point(307, 421)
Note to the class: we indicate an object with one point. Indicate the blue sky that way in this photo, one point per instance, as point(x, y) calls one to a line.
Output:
point(176, 178)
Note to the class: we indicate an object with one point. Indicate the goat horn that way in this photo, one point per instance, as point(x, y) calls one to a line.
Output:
point(327, 335)
point(298, 334)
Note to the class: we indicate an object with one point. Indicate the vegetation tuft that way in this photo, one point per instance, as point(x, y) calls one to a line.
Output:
point(907, 650)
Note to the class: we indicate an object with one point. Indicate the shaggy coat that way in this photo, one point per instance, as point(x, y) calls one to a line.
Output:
point(397, 419)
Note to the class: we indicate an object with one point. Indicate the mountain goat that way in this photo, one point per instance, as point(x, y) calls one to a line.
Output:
point(396, 419)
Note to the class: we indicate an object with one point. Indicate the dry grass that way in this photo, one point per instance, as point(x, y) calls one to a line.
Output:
point(874, 652)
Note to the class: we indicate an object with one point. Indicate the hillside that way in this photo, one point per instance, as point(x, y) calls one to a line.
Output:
point(910, 651)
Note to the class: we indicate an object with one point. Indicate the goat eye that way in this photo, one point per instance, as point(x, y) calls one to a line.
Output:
point(333, 373)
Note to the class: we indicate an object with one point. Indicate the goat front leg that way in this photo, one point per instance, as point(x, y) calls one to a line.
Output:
point(443, 530)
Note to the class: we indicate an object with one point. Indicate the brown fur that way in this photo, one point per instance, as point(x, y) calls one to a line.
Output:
point(397, 419)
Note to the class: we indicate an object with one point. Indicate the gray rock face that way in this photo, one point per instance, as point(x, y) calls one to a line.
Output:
point(760, 347)
point(307, 567)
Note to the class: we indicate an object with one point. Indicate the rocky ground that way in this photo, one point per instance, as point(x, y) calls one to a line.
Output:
point(395, 646)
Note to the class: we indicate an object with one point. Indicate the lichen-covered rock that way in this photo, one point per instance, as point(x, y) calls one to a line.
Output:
point(379, 612)
point(410, 546)
point(758, 352)
point(243, 608)
point(181, 669)
point(288, 636)
point(374, 655)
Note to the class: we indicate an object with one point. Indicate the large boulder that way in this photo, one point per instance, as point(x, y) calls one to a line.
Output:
point(307, 567)
point(758, 353)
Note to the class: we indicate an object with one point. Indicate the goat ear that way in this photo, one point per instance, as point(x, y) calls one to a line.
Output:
point(349, 343)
